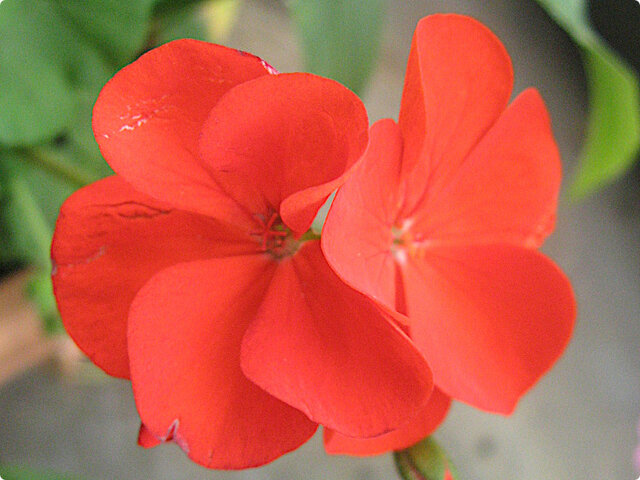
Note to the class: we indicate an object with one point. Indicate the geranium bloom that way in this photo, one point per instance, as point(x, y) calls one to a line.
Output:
point(191, 271)
point(441, 222)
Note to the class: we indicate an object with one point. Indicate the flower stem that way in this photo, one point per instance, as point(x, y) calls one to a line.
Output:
point(59, 166)
point(309, 235)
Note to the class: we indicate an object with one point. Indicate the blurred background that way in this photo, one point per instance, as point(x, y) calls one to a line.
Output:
point(60, 414)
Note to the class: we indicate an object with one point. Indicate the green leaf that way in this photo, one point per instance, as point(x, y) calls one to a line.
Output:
point(340, 38)
point(166, 8)
point(425, 460)
point(17, 473)
point(613, 126)
point(51, 50)
point(186, 22)
point(36, 98)
point(118, 27)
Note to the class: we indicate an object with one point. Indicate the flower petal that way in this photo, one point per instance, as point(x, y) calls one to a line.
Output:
point(325, 349)
point(185, 331)
point(290, 136)
point(148, 118)
point(146, 439)
point(425, 423)
point(491, 320)
point(507, 188)
point(109, 240)
point(459, 79)
point(357, 234)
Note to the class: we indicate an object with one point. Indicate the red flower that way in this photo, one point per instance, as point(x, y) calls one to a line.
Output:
point(190, 271)
point(442, 219)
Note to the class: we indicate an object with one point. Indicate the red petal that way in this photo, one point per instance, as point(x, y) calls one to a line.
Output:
point(491, 320)
point(148, 119)
point(185, 330)
point(146, 439)
point(109, 241)
point(507, 188)
point(418, 428)
point(458, 81)
point(357, 236)
point(292, 137)
point(325, 349)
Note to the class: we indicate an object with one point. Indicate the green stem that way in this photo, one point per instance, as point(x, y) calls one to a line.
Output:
point(309, 235)
point(33, 218)
point(59, 167)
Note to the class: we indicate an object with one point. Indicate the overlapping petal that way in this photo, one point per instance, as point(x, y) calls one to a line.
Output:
point(289, 137)
point(325, 349)
point(109, 240)
point(148, 118)
point(458, 81)
point(185, 330)
point(419, 427)
point(357, 234)
point(490, 319)
point(506, 190)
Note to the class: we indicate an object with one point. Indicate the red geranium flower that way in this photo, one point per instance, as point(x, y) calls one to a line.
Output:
point(191, 273)
point(442, 219)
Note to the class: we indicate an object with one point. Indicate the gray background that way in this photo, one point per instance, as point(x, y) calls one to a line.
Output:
point(578, 423)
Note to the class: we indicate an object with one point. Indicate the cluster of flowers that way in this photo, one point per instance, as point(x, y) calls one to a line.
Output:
point(194, 273)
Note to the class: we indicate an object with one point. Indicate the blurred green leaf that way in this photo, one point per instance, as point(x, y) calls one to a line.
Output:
point(425, 460)
point(16, 473)
point(50, 50)
point(119, 28)
point(165, 8)
point(181, 23)
point(613, 127)
point(340, 38)
point(36, 98)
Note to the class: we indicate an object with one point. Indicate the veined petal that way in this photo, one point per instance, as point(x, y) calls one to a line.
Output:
point(324, 348)
point(185, 331)
point(290, 137)
point(109, 240)
point(148, 119)
point(490, 320)
point(506, 190)
point(458, 81)
point(357, 234)
point(423, 425)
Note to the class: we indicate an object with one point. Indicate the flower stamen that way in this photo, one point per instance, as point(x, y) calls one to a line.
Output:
point(274, 236)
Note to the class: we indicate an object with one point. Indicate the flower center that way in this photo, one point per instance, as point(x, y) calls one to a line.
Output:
point(405, 243)
point(274, 236)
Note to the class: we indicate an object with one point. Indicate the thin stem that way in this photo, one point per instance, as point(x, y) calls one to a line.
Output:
point(34, 220)
point(59, 167)
point(309, 235)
